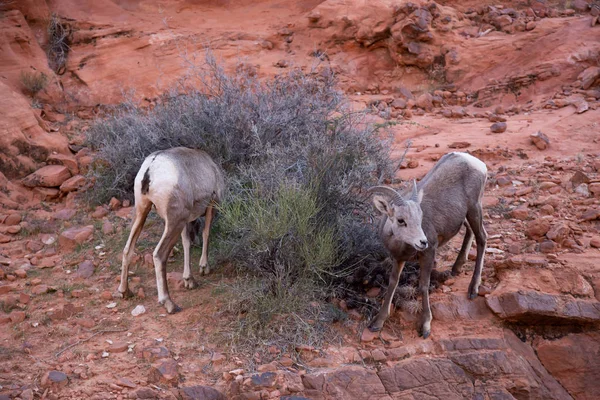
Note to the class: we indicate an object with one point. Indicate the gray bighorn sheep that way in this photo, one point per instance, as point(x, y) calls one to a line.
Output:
point(416, 224)
point(183, 184)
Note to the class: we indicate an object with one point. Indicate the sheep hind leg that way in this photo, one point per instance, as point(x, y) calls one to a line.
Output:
point(188, 278)
point(173, 229)
point(475, 218)
point(204, 267)
point(142, 209)
point(464, 250)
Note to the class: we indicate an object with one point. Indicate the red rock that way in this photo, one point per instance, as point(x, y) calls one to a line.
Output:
point(425, 101)
point(49, 176)
point(114, 204)
point(4, 238)
point(590, 215)
point(4, 319)
point(6, 289)
point(547, 210)
point(21, 273)
point(107, 228)
point(595, 242)
point(540, 140)
point(165, 372)
point(100, 212)
point(573, 361)
point(68, 161)
point(373, 292)
point(54, 380)
point(118, 347)
point(86, 322)
point(65, 214)
point(202, 393)
point(559, 232)
point(589, 76)
point(521, 213)
point(72, 184)
point(85, 270)
point(45, 194)
point(106, 295)
point(17, 317)
point(71, 238)
point(594, 188)
point(498, 127)
point(153, 353)
point(524, 191)
point(367, 335)
point(548, 246)
point(13, 219)
point(537, 228)
point(41, 289)
point(124, 382)
point(24, 298)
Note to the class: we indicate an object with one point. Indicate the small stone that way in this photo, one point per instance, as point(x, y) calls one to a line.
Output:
point(71, 238)
point(367, 335)
point(138, 310)
point(41, 289)
point(85, 270)
point(548, 246)
point(425, 101)
point(124, 382)
point(498, 127)
point(540, 140)
point(54, 379)
point(86, 322)
point(21, 273)
point(118, 347)
point(17, 317)
point(373, 292)
point(201, 393)
point(111, 305)
point(107, 228)
point(595, 242)
point(578, 178)
point(114, 204)
point(100, 212)
point(106, 295)
point(13, 219)
point(24, 298)
point(165, 372)
point(72, 184)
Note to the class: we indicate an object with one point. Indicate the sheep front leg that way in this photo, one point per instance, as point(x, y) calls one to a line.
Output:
point(426, 261)
point(384, 312)
point(161, 255)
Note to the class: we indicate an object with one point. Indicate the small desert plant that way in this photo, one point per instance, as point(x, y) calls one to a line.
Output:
point(297, 161)
point(33, 82)
point(57, 48)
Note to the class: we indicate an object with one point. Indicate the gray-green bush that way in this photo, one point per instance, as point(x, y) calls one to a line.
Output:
point(297, 160)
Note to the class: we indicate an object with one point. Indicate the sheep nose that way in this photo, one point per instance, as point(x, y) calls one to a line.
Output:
point(424, 244)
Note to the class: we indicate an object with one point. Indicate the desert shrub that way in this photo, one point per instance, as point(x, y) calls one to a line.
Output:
point(33, 82)
point(57, 48)
point(297, 161)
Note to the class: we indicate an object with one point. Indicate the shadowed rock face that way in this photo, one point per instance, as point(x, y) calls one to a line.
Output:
point(494, 366)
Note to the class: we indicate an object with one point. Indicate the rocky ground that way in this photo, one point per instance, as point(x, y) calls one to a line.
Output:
point(516, 85)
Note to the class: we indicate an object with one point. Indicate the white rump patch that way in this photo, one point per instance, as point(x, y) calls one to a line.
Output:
point(474, 161)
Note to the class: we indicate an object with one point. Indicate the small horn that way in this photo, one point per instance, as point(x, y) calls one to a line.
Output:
point(415, 193)
point(387, 191)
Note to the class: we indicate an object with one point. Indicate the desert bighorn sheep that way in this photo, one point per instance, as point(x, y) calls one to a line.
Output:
point(416, 224)
point(183, 184)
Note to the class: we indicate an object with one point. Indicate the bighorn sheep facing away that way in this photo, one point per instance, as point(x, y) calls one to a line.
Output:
point(183, 184)
point(448, 197)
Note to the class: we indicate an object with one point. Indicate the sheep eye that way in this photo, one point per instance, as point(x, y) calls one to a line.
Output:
point(401, 222)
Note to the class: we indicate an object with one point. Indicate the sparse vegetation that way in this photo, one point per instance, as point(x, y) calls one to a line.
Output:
point(297, 160)
point(57, 48)
point(33, 82)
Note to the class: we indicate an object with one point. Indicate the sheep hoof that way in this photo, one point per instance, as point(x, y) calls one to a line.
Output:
point(171, 307)
point(472, 296)
point(425, 334)
point(204, 270)
point(127, 294)
point(190, 283)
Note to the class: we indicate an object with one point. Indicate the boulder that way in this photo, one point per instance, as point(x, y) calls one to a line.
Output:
point(49, 176)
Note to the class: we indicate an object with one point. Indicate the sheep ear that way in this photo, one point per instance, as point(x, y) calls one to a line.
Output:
point(382, 205)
